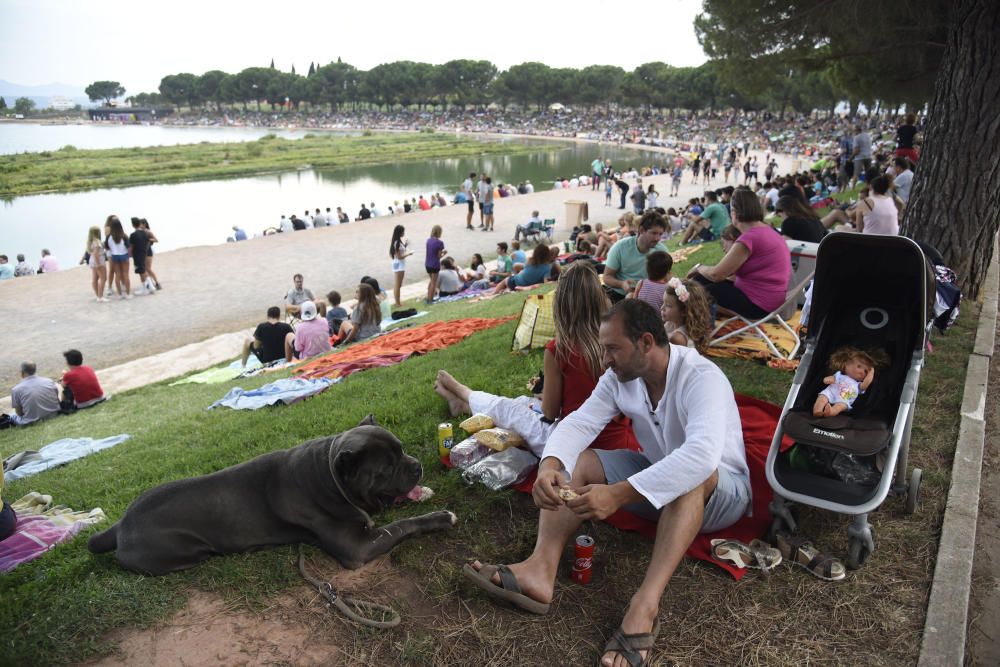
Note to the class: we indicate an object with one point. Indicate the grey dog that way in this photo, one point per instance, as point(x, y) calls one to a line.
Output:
point(321, 492)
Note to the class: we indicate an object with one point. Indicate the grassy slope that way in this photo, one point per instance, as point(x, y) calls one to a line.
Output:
point(70, 169)
point(57, 608)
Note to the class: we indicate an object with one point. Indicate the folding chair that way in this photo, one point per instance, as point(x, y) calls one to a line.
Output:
point(780, 316)
point(533, 231)
point(549, 227)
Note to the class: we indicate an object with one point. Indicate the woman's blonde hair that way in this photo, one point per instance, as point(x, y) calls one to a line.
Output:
point(580, 302)
point(696, 314)
point(93, 234)
point(368, 304)
point(436, 231)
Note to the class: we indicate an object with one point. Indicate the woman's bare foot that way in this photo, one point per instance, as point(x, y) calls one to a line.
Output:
point(456, 406)
point(446, 380)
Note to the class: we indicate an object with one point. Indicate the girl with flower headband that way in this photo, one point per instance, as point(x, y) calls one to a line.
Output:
point(686, 315)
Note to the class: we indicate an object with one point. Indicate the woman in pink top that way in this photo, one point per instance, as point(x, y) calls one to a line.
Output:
point(758, 261)
point(312, 336)
point(878, 213)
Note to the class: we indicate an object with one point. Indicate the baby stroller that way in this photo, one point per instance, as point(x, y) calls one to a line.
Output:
point(869, 292)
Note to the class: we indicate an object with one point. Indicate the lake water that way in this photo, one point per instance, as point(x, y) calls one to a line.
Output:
point(33, 137)
point(203, 213)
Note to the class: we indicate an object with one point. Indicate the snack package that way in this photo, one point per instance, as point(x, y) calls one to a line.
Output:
point(499, 439)
point(467, 452)
point(503, 469)
point(477, 423)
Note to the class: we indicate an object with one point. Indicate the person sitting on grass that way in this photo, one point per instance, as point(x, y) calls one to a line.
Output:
point(296, 296)
point(540, 268)
point(690, 477)
point(335, 314)
point(268, 342)
point(476, 270)
point(709, 223)
point(449, 282)
point(572, 366)
point(33, 398)
point(312, 337)
point(81, 388)
point(366, 318)
point(651, 288)
point(626, 262)
point(505, 266)
point(517, 255)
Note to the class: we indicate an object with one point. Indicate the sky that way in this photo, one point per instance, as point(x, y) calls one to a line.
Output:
point(78, 41)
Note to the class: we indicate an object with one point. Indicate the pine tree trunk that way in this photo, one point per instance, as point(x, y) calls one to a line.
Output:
point(955, 202)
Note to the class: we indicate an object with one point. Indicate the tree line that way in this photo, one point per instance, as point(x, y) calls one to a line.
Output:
point(463, 83)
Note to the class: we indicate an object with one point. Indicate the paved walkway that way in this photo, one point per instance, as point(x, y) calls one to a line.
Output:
point(220, 289)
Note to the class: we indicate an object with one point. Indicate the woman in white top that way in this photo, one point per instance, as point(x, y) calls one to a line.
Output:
point(877, 214)
point(399, 250)
point(476, 270)
point(117, 246)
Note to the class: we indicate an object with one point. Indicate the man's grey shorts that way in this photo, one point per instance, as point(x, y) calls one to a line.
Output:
point(729, 502)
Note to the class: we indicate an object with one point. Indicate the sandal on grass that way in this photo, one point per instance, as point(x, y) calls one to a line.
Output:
point(628, 646)
point(508, 591)
point(812, 560)
point(758, 555)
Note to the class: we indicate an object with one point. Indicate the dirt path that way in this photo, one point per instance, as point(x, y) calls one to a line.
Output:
point(984, 610)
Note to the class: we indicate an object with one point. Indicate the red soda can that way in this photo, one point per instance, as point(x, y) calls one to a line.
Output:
point(584, 563)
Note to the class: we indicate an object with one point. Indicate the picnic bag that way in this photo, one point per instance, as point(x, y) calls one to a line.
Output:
point(536, 327)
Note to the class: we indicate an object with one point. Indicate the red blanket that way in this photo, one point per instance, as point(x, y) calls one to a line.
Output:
point(759, 420)
point(396, 346)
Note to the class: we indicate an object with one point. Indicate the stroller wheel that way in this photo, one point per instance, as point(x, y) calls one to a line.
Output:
point(857, 553)
point(913, 492)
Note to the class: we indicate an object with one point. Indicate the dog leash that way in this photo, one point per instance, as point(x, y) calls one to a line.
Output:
point(343, 603)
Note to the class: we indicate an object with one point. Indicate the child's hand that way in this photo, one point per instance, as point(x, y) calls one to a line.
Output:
point(829, 379)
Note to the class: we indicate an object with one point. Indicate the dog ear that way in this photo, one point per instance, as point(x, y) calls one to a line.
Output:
point(355, 480)
point(368, 421)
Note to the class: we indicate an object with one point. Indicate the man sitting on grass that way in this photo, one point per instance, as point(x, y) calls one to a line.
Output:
point(690, 477)
point(81, 388)
point(268, 341)
point(297, 296)
point(34, 398)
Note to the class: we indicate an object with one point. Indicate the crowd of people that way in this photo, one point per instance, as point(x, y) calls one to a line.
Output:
point(632, 415)
point(792, 133)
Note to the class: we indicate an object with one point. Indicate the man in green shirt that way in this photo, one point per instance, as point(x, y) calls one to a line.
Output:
point(708, 225)
point(505, 265)
point(626, 262)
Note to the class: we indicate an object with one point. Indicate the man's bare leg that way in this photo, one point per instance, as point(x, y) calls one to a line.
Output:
point(247, 344)
point(679, 524)
point(537, 574)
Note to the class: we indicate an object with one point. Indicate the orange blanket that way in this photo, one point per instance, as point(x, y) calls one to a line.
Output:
point(397, 346)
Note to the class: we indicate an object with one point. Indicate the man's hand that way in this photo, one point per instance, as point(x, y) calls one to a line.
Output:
point(551, 477)
point(596, 501)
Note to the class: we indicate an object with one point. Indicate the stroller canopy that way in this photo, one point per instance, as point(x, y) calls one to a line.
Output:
point(886, 271)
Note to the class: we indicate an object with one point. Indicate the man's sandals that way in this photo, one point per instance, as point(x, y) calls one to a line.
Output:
point(802, 553)
point(508, 591)
point(629, 646)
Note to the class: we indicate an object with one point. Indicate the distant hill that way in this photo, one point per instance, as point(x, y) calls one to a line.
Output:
point(8, 88)
point(42, 95)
